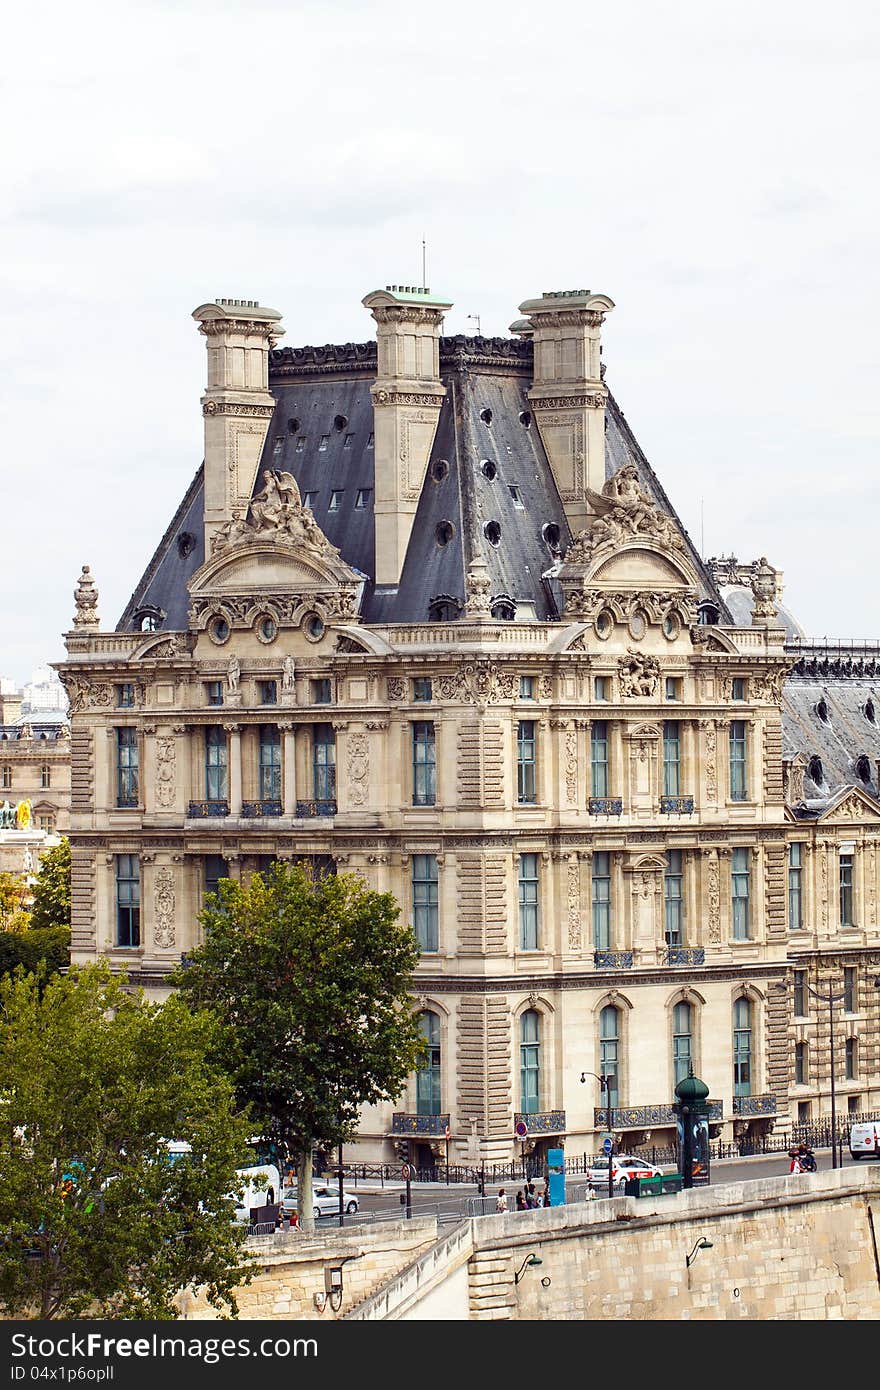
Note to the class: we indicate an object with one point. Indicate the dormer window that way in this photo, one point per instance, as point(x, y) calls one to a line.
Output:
point(708, 614)
point(503, 609)
point(870, 712)
point(863, 768)
point(822, 711)
point(815, 771)
point(148, 619)
point(444, 609)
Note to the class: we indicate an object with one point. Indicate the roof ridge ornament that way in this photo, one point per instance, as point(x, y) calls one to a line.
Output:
point(276, 513)
point(477, 589)
point(86, 599)
point(623, 512)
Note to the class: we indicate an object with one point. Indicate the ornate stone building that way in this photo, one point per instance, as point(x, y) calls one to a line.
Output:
point(34, 774)
point(426, 613)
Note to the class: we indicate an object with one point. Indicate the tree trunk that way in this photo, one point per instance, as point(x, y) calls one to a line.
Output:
point(304, 1188)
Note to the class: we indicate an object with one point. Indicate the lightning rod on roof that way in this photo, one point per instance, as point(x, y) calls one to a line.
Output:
point(424, 274)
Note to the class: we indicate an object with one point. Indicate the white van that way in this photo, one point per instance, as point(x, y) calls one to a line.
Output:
point(262, 1188)
point(864, 1140)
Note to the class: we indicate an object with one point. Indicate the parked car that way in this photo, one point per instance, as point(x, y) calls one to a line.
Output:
point(864, 1140)
point(325, 1200)
point(625, 1166)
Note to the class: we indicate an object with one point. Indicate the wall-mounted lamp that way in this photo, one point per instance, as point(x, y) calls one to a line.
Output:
point(702, 1244)
point(528, 1263)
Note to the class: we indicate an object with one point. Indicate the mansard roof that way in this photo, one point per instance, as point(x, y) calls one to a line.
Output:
point(489, 489)
point(831, 718)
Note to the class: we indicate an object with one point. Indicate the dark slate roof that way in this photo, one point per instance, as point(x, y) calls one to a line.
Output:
point(846, 676)
point(740, 602)
point(44, 729)
point(322, 432)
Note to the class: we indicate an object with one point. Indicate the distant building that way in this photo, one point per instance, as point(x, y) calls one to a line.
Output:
point(426, 613)
point(34, 769)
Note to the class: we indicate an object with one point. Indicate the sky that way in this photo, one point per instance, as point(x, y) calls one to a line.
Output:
point(713, 169)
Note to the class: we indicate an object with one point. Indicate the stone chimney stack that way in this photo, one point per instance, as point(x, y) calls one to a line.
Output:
point(406, 401)
point(568, 395)
point(236, 405)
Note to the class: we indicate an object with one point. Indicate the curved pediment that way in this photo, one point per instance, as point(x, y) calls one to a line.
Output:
point(265, 566)
point(642, 566)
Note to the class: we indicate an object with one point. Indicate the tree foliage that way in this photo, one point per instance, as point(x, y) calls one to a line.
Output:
point(311, 979)
point(49, 948)
point(94, 1218)
point(51, 904)
point(14, 896)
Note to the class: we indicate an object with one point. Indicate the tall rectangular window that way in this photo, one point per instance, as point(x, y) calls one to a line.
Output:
point(125, 695)
point(671, 757)
point(322, 691)
point(215, 765)
point(738, 688)
point(846, 890)
point(738, 760)
point(6, 777)
point(126, 767)
point(599, 758)
point(128, 900)
point(795, 900)
point(800, 994)
point(850, 1054)
point(527, 687)
point(267, 692)
point(602, 688)
point(216, 868)
point(324, 762)
point(601, 894)
point(528, 902)
point(270, 763)
point(424, 901)
point(422, 690)
point(800, 1063)
point(45, 776)
point(423, 765)
point(850, 1001)
point(740, 882)
point(525, 763)
point(214, 692)
point(673, 904)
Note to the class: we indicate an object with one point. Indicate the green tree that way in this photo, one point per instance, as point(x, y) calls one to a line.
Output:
point(51, 904)
point(94, 1218)
point(49, 948)
point(311, 980)
point(14, 895)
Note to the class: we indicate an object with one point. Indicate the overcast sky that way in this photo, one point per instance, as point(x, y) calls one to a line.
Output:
point(713, 169)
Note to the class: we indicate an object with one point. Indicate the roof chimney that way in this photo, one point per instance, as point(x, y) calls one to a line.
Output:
point(568, 395)
point(406, 401)
point(236, 405)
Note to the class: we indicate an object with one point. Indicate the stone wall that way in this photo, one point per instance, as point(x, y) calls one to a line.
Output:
point(290, 1269)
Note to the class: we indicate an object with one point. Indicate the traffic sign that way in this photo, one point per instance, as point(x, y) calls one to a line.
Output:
point(607, 1145)
point(448, 1132)
point(522, 1129)
point(405, 1171)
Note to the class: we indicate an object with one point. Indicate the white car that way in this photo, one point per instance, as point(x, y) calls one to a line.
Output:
point(325, 1200)
point(625, 1166)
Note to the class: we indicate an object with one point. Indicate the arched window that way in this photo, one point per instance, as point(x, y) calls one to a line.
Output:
point(428, 1074)
point(609, 1051)
point(530, 1062)
point(742, 1048)
point(682, 1040)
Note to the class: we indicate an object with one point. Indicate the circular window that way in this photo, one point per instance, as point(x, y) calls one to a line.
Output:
point(267, 628)
point(486, 416)
point(439, 470)
point(313, 627)
point(186, 544)
point(340, 422)
point(604, 624)
point(492, 532)
point(443, 532)
point(488, 470)
point(550, 533)
point(218, 630)
point(671, 626)
point(525, 419)
point(638, 625)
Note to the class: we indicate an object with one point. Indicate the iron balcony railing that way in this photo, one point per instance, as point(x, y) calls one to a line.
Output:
point(754, 1105)
point(676, 805)
point(199, 809)
point(306, 810)
point(432, 1125)
point(250, 809)
point(605, 806)
point(613, 960)
point(647, 1116)
point(542, 1122)
point(685, 955)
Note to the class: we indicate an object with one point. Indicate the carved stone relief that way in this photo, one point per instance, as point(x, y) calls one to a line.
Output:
point(638, 675)
point(163, 928)
point(358, 768)
point(571, 766)
point(166, 771)
point(574, 903)
point(713, 894)
point(710, 745)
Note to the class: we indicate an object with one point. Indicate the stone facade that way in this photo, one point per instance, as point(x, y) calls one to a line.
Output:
point(584, 815)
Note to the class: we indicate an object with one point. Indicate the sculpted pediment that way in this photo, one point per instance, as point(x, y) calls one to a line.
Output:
point(263, 566)
point(640, 567)
point(854, 805)
point(646, 863)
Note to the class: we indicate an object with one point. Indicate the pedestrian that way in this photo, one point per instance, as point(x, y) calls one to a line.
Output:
point(545, 1199)
point(795, 1166)
point(501, 1200)
point(520, 1201)
point(590, 1194)
point(531, 1199)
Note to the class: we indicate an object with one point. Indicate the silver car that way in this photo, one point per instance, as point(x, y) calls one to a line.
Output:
point(325, 1200)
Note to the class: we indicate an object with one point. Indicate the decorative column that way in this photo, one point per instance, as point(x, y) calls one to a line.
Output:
point(234, 732)
point(288, 730)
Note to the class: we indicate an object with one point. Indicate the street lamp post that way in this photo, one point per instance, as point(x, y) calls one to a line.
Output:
point(830, 999)
point(605, 1083)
